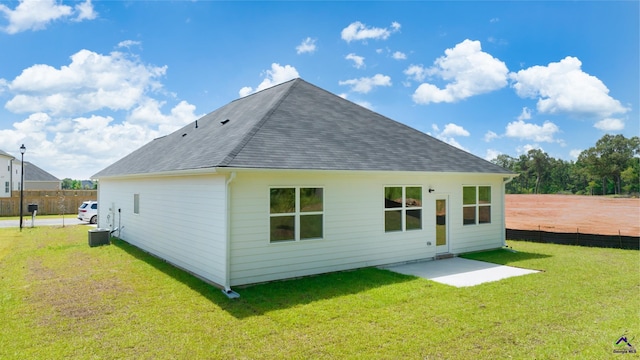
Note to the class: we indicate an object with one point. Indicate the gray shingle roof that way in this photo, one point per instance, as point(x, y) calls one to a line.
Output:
point(296, 125)
point(6, 154)
point(34, 173)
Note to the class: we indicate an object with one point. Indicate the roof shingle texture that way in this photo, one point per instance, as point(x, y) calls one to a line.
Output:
point(34, 173)
point(296, 125)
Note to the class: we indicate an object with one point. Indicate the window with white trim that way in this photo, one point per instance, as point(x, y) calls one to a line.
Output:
point(402, 208)
point(476, 205)
point(136, 203)
point(296, 213)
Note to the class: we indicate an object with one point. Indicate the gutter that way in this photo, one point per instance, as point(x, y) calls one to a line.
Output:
point(227, 274)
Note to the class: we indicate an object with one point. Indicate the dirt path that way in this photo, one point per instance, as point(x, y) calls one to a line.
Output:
point(571, 213)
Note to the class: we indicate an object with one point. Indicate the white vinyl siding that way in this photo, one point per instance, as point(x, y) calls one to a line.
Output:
point(354, 234)
point(184, 220)
point(5, 176)
point(181, 219)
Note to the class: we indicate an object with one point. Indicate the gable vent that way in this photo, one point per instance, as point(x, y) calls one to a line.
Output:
point(224, 121)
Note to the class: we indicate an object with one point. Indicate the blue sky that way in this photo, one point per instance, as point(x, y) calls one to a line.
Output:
point(83, 84)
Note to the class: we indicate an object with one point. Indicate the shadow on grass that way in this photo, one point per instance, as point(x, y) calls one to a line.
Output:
point(504, 256)
point(256, 300)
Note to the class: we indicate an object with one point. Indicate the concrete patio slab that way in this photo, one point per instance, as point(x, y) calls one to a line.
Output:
point(459, 272)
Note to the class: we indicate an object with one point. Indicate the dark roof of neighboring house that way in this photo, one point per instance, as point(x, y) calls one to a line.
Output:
point(7, 154)
point(296, 125)
point(34, 173)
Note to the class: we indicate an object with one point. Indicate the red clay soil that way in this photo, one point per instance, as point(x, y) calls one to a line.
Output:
point(573, 213)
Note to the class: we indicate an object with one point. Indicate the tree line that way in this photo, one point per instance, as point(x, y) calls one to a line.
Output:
point(612, 166)
point(70, 184)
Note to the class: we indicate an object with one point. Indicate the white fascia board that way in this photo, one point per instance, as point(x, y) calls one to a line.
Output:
point(172, 173)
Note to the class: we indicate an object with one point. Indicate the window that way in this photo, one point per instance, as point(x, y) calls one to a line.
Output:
point(402, 208)
point(6, 186)
point(295, 213)
point(476, 205)
point(136, 203)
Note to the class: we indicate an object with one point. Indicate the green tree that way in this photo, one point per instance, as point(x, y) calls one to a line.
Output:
point(610, 156)
point(538, 163)
point(67, 184)
point(631, 176)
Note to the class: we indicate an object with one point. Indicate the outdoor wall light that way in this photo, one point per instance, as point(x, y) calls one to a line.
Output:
point(431, 190)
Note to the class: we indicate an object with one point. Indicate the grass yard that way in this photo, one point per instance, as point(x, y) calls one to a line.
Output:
point(61, 299)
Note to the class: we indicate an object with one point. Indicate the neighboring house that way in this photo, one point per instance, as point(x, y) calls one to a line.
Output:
point(5, 174)
point(294, 181)
point(34, 177)
point(37, 179)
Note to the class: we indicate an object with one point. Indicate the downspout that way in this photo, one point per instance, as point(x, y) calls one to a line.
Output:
point(227, 273)
point(505, 181)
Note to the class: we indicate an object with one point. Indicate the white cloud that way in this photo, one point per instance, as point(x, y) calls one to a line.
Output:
point(399, 55)
point(449, 133)
point(563, 87)
point(81, 146)
point(609, 124)
point(358, 61)
point(490, 136)
point(365, 104)
point(128, 44)
point(575, 153)
point(149, 112)
point(359, 31)
point(416, 72)
point(469, 71)
point(525, 148)
point(525, 114)
point(453, 142)
point(522, 130)
point(67, 143)
point(246, 90)
point(37, 14)
point(90, 82)
point(454, 130)
point(491, 154)
point(308, 45)
point(85, 11)
point(276, 75)
point(365, 85)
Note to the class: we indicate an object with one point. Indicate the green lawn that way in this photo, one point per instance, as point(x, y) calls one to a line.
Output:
point(61, 299)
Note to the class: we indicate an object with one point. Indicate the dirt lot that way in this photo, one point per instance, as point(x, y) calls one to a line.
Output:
point(571, 213)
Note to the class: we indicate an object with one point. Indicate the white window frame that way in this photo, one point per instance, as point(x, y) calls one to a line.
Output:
point(477, 205)
point(297, 214)
point(136, 204)
point(403, 209)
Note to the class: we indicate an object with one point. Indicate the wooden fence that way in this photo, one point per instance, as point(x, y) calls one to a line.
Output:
point(50, 202)
point(609, 241)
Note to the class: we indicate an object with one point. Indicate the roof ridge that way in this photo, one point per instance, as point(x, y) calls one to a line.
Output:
point(254, 130)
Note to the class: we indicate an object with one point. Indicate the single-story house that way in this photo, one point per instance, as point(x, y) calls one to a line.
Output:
point(36, 178)
point(294, 181)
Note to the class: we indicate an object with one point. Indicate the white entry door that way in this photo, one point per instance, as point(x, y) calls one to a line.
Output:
point(442, 228)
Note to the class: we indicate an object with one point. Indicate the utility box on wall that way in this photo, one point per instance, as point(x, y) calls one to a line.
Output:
point(98, 237)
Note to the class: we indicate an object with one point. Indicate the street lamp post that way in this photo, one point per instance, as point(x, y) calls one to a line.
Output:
point(22, 151)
